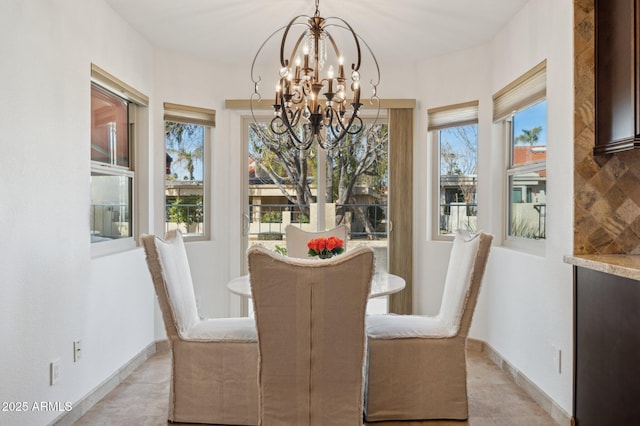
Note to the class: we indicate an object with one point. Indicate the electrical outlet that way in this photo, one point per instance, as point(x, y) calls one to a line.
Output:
point(557, 359)
point(54, 372)
point(77, 351)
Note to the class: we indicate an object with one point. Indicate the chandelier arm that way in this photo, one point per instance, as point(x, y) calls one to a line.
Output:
point(253, 63)
point(295, 47)
point(356, 67)
point(375, 61)
point(350, 128)
point(274, 126)
point(292, 134)
point(338, 130)
point(333, 43)
point(286, 32)
point(374, 97)
point(326, 144)
point(293, 118)
point(256, 91)
point(304, 146)
point(360, 125)
point(253, 95)
point(337, 136)
point(359, 37)
point(299, 94)
point(345, 128)
point(305, 89)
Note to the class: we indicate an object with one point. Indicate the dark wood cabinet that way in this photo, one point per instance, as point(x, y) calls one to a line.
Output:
point(617, 74)
point(606, 349)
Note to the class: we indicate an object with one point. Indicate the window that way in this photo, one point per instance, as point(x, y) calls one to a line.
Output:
point(455, 134)
point(527, 174)
point(187, 138)
point(113, 176)
point(522, 108)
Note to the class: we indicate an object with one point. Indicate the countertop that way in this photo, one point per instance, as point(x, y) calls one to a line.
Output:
point(622, 265)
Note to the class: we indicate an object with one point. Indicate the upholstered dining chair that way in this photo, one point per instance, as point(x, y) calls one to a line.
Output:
point(297, 239)
point(213, 361)
point(417, 364)
point(311, 336)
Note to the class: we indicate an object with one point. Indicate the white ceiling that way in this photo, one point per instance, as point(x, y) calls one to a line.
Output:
point(231, 31)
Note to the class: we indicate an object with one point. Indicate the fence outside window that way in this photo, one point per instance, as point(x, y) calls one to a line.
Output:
point(269, 220)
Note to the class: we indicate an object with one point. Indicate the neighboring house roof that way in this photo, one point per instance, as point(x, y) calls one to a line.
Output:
point(530, 154)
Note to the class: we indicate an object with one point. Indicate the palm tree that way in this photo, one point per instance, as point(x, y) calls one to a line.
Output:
point(184, 142)
point(529, 136)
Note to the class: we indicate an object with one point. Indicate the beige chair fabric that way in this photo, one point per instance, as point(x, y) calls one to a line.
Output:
point(417, 364)
point(214, 361)
point(310, 316)
point(297, 239)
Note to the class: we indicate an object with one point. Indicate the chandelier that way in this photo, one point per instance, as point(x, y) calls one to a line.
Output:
point(315, 99)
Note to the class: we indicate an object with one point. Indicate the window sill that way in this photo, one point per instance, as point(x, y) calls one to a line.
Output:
point(525, 245)
point(106, 248)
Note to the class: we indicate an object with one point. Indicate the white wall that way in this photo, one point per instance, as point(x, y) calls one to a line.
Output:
point(52, 291)
point(525, 308)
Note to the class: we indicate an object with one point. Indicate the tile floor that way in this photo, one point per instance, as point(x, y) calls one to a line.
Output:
point(494, 400)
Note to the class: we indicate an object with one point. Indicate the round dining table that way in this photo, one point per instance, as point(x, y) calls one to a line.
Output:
point(383, 284)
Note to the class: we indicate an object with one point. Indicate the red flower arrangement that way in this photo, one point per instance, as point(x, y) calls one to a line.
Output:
point(325, 247)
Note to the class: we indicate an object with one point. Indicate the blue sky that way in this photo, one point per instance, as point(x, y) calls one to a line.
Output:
point(531, 117)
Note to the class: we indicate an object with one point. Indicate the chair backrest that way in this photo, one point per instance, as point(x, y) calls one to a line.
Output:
point(169, 268)
point(464, 275)
point(297, 239)
point(311, 336)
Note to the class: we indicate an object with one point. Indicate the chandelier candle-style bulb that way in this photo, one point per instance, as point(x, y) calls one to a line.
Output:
point(330, 77)
point(307, 108)
point(297, 68)
point(278, 89)
point(305, 51)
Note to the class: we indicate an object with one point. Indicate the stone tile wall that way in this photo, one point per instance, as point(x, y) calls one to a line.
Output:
point(606, 188)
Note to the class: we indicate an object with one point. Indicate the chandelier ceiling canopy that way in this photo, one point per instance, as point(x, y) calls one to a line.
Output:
point(316, 99)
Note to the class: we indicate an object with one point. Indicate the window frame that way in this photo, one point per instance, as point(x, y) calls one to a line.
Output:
point(202, 117)
point(523, 93)
point(137, 107)
point(442, 118)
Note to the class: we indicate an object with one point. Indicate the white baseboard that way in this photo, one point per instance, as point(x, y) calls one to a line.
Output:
point(540, 397)
point(545, 402)
point(81, 407)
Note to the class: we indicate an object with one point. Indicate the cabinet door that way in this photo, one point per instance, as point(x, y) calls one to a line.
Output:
point(617, 119)
point(607, 349)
